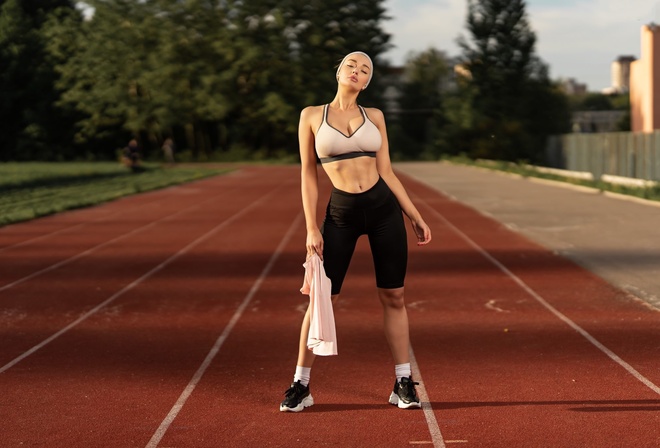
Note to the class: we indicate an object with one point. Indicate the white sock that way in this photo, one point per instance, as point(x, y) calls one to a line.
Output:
point(402, 370)
point(302, 374)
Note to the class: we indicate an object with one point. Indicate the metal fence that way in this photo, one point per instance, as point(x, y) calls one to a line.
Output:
point(627, 154)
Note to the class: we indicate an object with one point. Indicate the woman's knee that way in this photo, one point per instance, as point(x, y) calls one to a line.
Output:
point(391, 298)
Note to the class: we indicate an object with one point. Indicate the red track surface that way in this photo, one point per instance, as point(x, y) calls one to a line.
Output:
point(171, 319)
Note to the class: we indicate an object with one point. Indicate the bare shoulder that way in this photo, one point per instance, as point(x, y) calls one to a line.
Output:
point(310, 112)
point(311, 116)
point(375, 115)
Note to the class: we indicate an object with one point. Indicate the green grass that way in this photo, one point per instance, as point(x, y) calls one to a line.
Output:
point(31, 190)
point(650, 193)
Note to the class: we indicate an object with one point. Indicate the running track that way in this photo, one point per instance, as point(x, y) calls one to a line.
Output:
point(171, 319)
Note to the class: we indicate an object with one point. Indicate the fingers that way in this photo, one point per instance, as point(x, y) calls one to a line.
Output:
point(310, 253)
point(423, 236)
point(315, 248)
point(424, 241)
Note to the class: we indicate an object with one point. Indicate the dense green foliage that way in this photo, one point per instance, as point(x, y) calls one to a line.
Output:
point(420, 126)
point(229, 77)
point(214, 74)
point(497, 103)
point(32, 126)
point(508, 104)
point(30, 190)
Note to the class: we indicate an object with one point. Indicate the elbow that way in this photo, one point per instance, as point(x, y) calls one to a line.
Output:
point(308, 174)
point(386, 173)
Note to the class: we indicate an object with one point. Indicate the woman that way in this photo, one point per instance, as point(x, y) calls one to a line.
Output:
point(367, 198)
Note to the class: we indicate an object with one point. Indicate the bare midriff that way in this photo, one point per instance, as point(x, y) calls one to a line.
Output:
point(353, 175)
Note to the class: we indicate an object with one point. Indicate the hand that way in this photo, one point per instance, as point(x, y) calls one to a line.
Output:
point(314, 243)
point(422, 231)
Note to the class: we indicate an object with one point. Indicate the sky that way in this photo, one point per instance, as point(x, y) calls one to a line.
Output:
point(575, 38)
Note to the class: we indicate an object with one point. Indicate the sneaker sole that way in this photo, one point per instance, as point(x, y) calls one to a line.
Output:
point(396, 401)
point(305, 403)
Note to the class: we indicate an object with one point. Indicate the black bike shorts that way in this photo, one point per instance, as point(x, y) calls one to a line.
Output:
point(375, 213)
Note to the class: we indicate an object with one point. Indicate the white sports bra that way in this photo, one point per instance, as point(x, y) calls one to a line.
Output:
point(333, 145)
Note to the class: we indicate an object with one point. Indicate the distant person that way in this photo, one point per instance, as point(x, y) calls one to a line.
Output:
point(367, 199)
point(168, 150)
point(131, 156)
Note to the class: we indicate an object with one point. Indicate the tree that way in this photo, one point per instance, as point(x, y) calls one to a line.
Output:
point(321, 32)
point(98, 73)
point(263, 77)
point(420, 125)
point(146, 68)
point(506, 83)
point(32, 125)
point(218, 73)
point(188, 76)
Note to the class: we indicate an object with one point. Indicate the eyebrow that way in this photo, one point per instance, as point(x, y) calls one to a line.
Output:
point(353, 60)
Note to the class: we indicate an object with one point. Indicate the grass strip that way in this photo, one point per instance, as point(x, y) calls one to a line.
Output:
point(32, 190)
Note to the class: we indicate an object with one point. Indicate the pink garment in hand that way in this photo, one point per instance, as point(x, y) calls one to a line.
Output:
point(322, 338)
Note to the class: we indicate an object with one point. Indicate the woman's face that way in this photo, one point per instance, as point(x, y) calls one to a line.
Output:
point(355, 71)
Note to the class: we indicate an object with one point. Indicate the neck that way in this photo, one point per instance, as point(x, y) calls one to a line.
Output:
point(345, 100)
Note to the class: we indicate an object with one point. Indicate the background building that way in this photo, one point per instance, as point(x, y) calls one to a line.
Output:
point(570, 86)
point(620, 70)
point(645, 83)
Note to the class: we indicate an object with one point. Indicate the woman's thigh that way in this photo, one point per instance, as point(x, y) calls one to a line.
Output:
point(389, 245)
point(340, 235)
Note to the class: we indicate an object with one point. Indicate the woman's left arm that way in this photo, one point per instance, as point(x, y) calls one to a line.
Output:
point(385, 170)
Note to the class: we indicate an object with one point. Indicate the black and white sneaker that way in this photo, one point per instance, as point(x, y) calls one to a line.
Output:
point(296, 398)
point(404, 394)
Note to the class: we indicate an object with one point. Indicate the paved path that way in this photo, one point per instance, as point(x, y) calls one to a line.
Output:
point(618, 239)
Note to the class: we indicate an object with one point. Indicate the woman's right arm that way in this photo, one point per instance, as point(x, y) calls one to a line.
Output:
point(309, 181)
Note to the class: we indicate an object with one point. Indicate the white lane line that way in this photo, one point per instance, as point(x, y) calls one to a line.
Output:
point(165, 424)
point(54, 233)
point(547, 305)
point(133, 284)
point(75, 226)
point(431, 422)
point(100, 246)
point(102, 218)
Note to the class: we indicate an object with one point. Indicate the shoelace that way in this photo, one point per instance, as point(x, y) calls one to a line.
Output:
point(293, 390)
point(409, 388)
